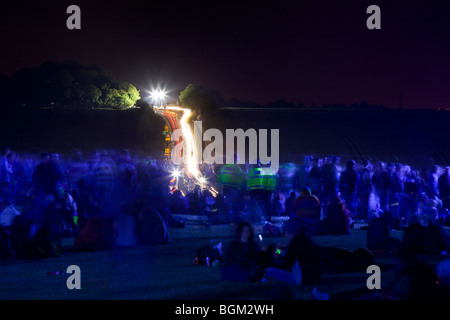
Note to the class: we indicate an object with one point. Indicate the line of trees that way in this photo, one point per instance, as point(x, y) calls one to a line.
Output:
point(69, 84)
point(204, 101)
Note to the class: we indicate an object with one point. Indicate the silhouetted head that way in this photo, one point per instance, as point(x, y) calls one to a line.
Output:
point(244, 232)
point(350, 164)
point(305, 191)
point(45, 156)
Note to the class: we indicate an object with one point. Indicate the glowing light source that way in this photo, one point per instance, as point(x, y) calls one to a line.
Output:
point(158, 96)
point(175, 173)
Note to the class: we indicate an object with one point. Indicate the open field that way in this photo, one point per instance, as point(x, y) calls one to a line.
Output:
point(416, 137)
point(165, 271)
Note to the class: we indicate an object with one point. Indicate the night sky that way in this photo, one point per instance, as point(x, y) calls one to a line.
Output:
point(310, 51)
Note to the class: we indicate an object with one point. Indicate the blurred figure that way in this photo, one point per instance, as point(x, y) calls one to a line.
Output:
point(46, 177)
point(241, 256)
point(124, 230)
point(231, 181)
point(444, 188)
point(178, 203)
point(301, 264)
point(329, 175)
point(433, 182)
point(364, 189)
point(289, 204)
point(278, 204)
point(103, 169)
point(315, 179)
point(301, 178)
point(337, 221)
point(5, 176)
point(126, 184)
point(194, 199)
point(77, 169)
point(382, 181)
point(307, 208)
point(348, 184)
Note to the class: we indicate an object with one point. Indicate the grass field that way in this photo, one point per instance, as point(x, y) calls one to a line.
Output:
point(164, 271)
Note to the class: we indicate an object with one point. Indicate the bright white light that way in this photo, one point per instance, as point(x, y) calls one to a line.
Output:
point(202, 180)
point(176, 173)
point(158, 96)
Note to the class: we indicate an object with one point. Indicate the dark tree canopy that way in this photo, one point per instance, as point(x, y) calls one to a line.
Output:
point(202, 101)
point(69, 84)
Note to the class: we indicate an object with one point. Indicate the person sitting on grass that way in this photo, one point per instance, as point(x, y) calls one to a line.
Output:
point(338, 219)
point(124, 228)
point(307, 207)
point(301, 264)
point(241, 256)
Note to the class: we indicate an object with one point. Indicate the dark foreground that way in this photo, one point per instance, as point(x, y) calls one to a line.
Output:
point(168, 272)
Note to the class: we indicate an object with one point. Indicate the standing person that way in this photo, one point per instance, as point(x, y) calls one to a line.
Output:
point(301, 178)
point(104, 170)
point(46, 175)
point(329, 175)
point(314, 178)
point(126, 176)
point(270, 180)
point(364, 189)
point(77, 169)
point(396, 190)
point(231, 180)
point(241, 256)
point(348, 184)
point(444, 188)
point(433, 182)
point(5, 176)
point(382, 181)
point(46, 178)
point(255, 186)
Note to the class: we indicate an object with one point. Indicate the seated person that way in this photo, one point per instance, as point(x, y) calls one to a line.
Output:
point(307, 207)
point(178, 203)
point(241, 256)
point(289, 204)
point(337, 221)
point(124, 228)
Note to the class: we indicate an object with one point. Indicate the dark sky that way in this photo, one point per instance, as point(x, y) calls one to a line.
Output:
point(310, 51)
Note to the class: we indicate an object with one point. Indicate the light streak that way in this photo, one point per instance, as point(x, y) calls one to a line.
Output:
point(190, 153)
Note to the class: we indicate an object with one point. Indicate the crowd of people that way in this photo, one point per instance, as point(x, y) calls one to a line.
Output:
point(108, 199)
point(328, 195)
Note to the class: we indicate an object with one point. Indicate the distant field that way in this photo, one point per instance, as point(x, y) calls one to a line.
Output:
point(417, 137)
point(164, 272)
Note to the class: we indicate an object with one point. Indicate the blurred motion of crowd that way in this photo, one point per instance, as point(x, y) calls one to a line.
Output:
point(117, 199)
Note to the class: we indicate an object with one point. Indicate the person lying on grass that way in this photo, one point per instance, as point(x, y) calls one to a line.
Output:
point(301, 264)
